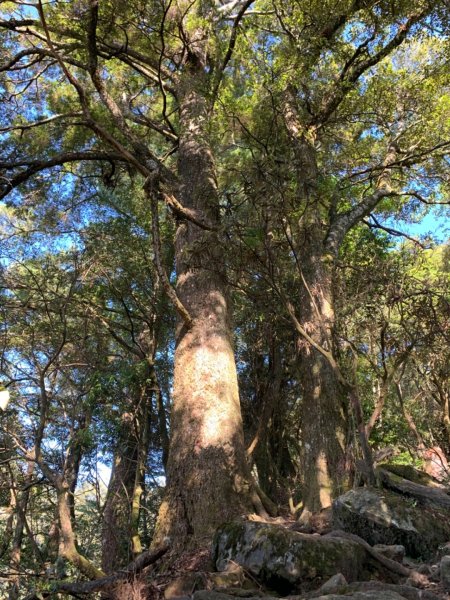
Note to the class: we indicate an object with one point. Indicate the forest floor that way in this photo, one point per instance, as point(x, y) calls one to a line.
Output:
point(193, 572)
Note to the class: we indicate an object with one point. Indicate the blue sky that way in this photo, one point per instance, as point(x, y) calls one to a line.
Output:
point(439, 226)
point(436, 223)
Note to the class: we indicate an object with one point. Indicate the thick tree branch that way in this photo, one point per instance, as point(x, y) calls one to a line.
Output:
point(345, 221)
point(36, 52)
point(150, 161)
point(408, 159)
point(75, 83)
point(168, 289)
point(342, 223)
point(114, 48)
point(120, 50)
point(15, 24)
point(145, 162)
point(145, 122)
point(339, 20)
point(185, 213)
point(7, 184)
point(140, 157)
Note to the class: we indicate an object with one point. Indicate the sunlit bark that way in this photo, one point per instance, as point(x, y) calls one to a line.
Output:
point(324, 404)
point(207, 474)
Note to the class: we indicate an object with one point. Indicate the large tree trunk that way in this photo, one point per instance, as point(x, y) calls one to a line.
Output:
point(207, 474)
point(324, 414)
point(324, 406)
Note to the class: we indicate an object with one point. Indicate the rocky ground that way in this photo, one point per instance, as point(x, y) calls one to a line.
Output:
point(386, 543)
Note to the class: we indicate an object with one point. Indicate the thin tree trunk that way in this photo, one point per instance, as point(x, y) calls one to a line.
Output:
point(409, 419)
point(162, 424)
point(443, 397)
point(63, 482)
point(68, 545)
point(378, 408)
point(268, 449)
point(116, 514)
point(21, 507)
point(9, 525)
point(144, 411)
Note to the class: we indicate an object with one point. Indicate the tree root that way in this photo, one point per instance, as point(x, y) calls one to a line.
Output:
point(416, 579)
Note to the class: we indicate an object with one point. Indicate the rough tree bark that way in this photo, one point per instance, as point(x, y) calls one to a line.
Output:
point(324, 405)
point(324, 470)
point(120, 533)
point(207, 474)
point(116, 515)
point(316, 240)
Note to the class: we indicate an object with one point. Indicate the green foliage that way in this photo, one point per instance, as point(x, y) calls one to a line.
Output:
point(309, 106)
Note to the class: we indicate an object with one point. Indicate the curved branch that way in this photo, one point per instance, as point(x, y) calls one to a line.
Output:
point(230, 49)
point(170, 292)
point(35, 166)
point(25, 126)
point(350, 76)
point(377, 225)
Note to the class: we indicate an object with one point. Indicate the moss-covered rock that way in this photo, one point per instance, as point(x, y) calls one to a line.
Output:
point(285, 559)
point(384, 517)
point(405, 591)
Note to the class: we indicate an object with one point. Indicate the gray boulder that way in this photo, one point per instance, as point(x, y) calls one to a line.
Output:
point(372, 595)
point(443, 550)
point(283, 558)
point(445, 572)
point(335, 584)
point(215, 595)
point(384, 517)
point(368, 595)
